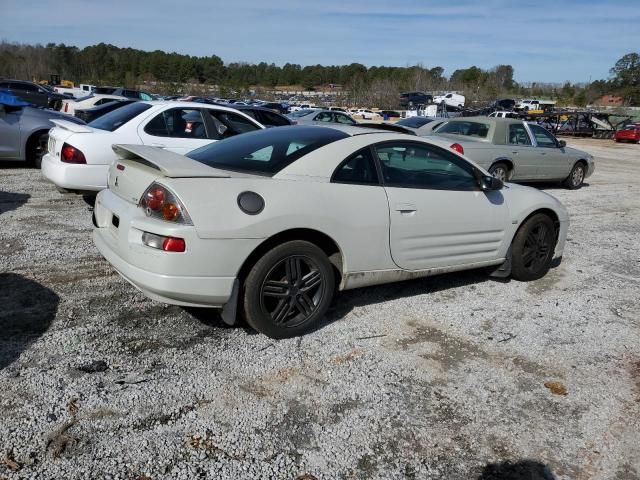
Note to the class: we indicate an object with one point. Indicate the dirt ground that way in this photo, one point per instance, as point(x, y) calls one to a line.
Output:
point(456, 377)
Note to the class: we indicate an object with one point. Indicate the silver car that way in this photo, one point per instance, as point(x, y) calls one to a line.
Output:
point(24, 130)
point(312, 116)
point(518, 151)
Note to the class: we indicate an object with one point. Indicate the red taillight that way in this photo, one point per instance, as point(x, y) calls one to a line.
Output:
point(171, 244)
point(458, 148)
point(66, 106)
point(154, 199)
point(72, 155)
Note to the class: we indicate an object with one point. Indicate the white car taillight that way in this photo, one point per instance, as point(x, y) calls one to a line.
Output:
point(160, 202)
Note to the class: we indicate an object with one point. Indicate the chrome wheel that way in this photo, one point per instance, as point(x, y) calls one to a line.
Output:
point(292, 291)
point(500, 173)
point(538, 246)
point(577, 176)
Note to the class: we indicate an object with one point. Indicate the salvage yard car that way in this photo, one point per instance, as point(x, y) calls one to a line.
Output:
point(630, 133)
point(79, 156)
point(272, 222)
point(24, 129)
point(513, 150)
point(310, 116)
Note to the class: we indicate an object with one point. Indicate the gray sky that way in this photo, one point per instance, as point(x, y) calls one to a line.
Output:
point(544, 40)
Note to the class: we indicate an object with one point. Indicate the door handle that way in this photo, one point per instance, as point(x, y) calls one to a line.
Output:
point(515, 152)
point(543, 153)
point(159, 145)
point(406, 207)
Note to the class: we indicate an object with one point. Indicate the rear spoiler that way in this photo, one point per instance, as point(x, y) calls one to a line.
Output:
point(72, 127)
point(170, 164)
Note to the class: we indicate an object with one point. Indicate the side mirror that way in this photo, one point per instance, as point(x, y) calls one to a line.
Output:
point(489, 183)
point(562, 144)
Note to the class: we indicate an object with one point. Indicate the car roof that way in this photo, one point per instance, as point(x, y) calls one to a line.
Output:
point(480, 118)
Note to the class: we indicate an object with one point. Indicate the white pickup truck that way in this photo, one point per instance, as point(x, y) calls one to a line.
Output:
point(82, 91)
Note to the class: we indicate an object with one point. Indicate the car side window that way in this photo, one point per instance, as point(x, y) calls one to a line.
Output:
point(227, 124)
point(543, 137)
point(518, 135)
point(275, 120)
point(323, 117)
point(177, 123)
point(358, 168)
point(418, 165)
point(342, 118)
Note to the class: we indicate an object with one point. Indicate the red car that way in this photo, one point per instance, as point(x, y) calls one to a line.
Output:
point(630, 133)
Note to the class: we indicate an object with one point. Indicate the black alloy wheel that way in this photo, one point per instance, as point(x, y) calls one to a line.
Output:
point(533, 248)
point(288, 290)
point(292, 291)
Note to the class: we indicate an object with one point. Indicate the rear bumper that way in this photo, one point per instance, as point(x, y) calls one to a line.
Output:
point(172, 289)
point(202, 276)
point(75, 176)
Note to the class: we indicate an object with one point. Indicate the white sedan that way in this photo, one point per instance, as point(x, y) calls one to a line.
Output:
point(273, 222)
point(70, 106)
point(79, 156)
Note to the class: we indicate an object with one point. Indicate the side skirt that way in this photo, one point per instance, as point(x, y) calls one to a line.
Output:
point(378, 277)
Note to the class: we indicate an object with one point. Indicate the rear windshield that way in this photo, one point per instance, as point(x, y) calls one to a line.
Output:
point(466, 128)
point(267, 151)
point(414, 122)
point(113, 120)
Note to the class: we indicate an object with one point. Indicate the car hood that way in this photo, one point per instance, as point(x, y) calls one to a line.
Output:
point(574, 152)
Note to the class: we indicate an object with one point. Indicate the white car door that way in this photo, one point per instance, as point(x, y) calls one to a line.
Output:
point(178, 129)
point(438, 215)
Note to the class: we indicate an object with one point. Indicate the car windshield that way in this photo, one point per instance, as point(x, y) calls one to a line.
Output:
point(301, 113)
point(265, 152)
point(466, 128)
point(414, 122)
point(113, 120)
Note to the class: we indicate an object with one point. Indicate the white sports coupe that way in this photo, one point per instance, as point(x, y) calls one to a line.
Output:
point(272, 222)
point(79, 156)
point(70, 106)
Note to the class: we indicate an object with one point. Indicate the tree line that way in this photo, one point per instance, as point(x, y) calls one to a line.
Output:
point(377, 85)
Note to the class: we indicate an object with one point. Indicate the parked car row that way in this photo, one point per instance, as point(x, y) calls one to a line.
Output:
point(200, 205)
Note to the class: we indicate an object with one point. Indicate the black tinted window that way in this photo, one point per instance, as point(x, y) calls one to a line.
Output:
point(417, 165)
point(265, 151)
point(177, 123)
point(359, 168)
point(273, 119)
point(414, 122)
point(115, 119)
point(227, 124)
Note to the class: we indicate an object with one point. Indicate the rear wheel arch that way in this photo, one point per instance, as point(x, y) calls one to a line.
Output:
point(31, 145)
point(327, 244)
point(506, 161)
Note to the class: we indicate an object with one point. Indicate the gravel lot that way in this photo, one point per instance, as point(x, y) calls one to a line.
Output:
point(456, 377)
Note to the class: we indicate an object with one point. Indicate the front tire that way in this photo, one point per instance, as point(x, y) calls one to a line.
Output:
point(500, 171)
point(288, 290)
point(576, 178)
point(532, 248)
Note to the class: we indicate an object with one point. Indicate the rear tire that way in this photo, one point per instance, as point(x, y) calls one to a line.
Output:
point(36, 148)
point(532, 248)
point(500, 170)
point(576, 178)
point(288, 290)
